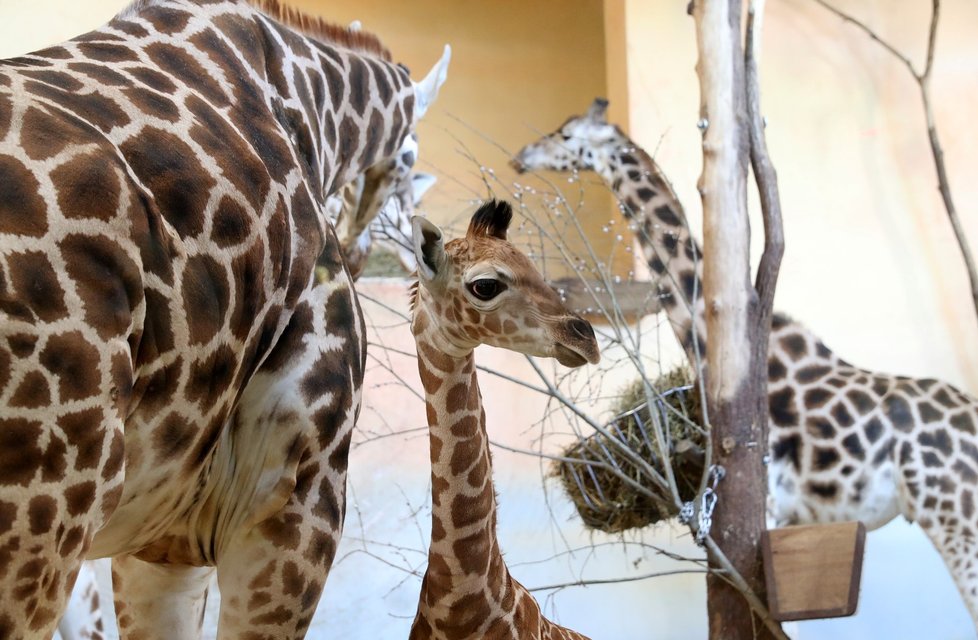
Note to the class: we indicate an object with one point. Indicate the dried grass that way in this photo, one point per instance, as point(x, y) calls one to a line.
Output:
point(603, 497)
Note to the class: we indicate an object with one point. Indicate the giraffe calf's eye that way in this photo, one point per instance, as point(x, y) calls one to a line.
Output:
point(486, 288)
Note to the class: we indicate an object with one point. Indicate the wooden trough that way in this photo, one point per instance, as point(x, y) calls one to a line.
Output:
point(813, 571)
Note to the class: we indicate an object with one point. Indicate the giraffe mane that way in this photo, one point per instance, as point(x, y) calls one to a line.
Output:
point(308, 25)
point(319, 29)
point(413, 291)
point(134, 7)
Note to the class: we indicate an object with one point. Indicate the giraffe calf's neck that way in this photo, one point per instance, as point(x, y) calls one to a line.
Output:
point(467, 591)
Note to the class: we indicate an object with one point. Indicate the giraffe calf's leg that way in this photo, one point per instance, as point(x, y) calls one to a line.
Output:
point(159, 600)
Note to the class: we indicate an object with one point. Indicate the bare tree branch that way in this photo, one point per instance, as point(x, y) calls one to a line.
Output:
point(764, 173)
point(872, 34)
point(923, 83)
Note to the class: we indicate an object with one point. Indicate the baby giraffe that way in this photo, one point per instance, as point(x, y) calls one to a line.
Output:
point(478, 290)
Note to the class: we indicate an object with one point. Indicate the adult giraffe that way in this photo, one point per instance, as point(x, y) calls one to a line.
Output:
point(176, 390)
point(478, 290)
point(845, 443)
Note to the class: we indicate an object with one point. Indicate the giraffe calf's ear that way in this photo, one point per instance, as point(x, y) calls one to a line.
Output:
point(429, 248)
point(491, 219)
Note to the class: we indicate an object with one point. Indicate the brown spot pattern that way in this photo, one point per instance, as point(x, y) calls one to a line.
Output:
point(22, 211)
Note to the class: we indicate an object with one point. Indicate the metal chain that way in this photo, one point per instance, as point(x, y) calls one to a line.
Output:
point(708, 503)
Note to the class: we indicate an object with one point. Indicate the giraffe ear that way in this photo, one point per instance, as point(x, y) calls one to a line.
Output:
point(426, 91)
point(429, 248)
point(491, 219)
point(598, 111)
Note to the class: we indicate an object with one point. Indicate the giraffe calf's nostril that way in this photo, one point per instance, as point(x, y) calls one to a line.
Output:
point(582, 329)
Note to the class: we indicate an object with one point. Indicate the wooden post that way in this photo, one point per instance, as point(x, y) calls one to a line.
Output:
point(737, 329)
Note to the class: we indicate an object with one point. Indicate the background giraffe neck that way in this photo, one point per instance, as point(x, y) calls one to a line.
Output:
point(464, 556)
point(659, 223)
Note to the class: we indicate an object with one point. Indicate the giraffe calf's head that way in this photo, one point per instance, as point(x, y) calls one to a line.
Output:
point(576, 144)
point(480, 289)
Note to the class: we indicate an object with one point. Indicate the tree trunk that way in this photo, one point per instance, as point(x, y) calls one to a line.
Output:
point(736, 371)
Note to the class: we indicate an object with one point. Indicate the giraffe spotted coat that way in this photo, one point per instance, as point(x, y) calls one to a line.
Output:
point(176, 390)
point(845, 443)
point(478, 290)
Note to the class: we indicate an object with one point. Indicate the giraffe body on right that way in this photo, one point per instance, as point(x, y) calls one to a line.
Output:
point(478, 290)
point(845, 443)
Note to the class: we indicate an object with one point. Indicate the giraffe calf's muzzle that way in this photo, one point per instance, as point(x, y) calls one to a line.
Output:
point(577, 345)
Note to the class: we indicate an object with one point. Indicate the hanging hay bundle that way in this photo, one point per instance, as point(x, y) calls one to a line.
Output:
point(599, 477)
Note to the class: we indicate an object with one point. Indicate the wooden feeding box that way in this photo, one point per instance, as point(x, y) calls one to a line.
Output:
point(813, 571)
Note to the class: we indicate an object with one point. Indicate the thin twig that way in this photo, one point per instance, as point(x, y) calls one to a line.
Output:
point(764, 175)
point(589, 582)
point(872, 34)
point(923, 82)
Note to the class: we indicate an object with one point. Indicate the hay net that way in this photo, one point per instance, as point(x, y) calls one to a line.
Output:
point(616, 479)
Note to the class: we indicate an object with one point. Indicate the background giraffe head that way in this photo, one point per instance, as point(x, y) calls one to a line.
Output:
point(391, 229)
point(385, 190)
point(583, 143)
point(480, 289)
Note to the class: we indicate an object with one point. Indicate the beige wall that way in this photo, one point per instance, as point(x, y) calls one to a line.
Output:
point(871, 263)
point(28, 26)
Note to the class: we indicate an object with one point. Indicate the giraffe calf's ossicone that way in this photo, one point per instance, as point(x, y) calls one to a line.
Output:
point(477, 290)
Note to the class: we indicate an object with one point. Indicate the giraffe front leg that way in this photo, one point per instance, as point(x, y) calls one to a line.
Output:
point(938, 489)
point(955, 541)
point(59, 482)
point(159, 600)
point(272, 573)
point(273, 566)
